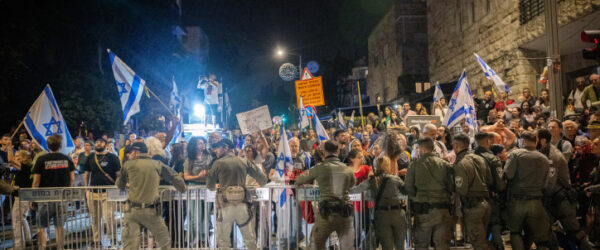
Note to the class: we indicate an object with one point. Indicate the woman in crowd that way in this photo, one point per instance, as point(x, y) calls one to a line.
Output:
point(22, 179)
point(544, 101)
point(415, 133)
point(527, 116)
point(385, 120)
point(391, 149)
point(404, 158)
point(445, 137)
point(390, 218)
point(357, 144)
point(420, 109)
point(195, 170)
point(178, 207)
point(361, 173)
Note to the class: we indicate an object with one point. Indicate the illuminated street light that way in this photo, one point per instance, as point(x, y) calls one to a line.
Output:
point(280, 53)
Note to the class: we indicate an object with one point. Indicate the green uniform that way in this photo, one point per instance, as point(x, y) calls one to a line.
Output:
point(429, 184)
point(561, 198)
point(527, 174)
point(497, 193)
point(231, 171)
point(390, 217)
point(335, 209)
point(472, 176)
point(143, 175)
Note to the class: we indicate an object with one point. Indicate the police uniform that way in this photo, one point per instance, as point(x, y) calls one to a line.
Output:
point(561, 199)
point(497, 195)
point(143, 175)
point(429, 185)
point(527, 174)
point(471, 179)
point(390, 217)
point(230, 172)
point(335, 209)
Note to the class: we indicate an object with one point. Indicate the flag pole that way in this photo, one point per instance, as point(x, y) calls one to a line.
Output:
point(16, 130)
point(159, 100)
point(362, 119)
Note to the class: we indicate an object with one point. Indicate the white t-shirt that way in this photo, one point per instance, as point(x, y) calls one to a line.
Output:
point(212, 91)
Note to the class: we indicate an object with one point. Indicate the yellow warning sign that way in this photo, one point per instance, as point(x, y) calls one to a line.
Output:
point(311, 91)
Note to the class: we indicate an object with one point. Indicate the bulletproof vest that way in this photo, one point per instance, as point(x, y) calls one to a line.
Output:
point(478, 181)
point(496, 169)
point(431, 178)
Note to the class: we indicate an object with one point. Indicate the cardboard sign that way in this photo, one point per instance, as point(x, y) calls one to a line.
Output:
point(311, 91)
point(422, 120)
point(254, 120)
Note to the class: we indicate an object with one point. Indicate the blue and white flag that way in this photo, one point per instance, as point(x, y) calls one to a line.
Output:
point(175, 100)
point(284, 161)
point(351, 121)
point(129, 85)
point(44, 119)
point(321, 132)
point(438, 94)
point(490, 74)
point(303, 116)
point(341, 120)
point(461, 104)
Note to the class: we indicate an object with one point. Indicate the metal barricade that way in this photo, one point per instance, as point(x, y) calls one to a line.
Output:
point(93, 217)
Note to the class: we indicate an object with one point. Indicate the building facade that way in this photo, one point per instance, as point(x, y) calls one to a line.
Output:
point(347, 88)
point(397, 49)
point(510, 36)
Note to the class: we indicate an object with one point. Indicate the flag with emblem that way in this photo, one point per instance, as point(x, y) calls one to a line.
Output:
point(129, 85)
point(490, 74)
point(321, 132)
point(461, 104)
point(284, 161)
point(44, 119)
point(438, 94)
point(351, 121)
point(341, 120)
point(303, 116)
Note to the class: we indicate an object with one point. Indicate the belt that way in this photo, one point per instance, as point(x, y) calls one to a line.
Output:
point(143, 205)
point(525, 197)
point(389, 208)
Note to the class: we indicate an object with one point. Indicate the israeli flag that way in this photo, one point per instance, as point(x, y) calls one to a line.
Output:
point(461, 104)
point(303, 116)
point(351, 121)
point(341, 120)
point(284, 161)
point(490, 74)
point(129, 85)
point(44, 119)
point(175, 100)
point(438, 94)
point(321, 133)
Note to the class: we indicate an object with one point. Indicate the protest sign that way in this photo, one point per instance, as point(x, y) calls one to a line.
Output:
point(422, 120)
point(254, 120)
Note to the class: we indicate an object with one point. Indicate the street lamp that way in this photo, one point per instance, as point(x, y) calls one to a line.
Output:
point(281, 53)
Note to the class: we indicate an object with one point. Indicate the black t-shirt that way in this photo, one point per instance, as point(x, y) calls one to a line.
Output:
point(23, 177)
point(4, 156)
point(110, 164)
point(55, 170)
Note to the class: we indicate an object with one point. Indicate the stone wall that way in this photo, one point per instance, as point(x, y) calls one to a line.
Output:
point(490, 28)
point(397, 47)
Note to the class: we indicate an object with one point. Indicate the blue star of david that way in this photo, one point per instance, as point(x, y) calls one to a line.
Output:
point(280, 170)
point(452, 103)
point(48, 127)
point(121, 88)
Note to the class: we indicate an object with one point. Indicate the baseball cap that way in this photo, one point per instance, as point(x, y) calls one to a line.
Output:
point(139, 146)
point(223, 142)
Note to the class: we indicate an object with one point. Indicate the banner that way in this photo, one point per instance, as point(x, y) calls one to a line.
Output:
point(254, 120)
point(422, 120)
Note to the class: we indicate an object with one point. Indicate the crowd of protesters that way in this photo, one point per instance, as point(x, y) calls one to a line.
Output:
point(508, 131)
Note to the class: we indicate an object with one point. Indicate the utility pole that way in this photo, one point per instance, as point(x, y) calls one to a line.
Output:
point(553, 59)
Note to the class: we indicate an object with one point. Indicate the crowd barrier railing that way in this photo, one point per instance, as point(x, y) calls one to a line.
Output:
point(92, 217)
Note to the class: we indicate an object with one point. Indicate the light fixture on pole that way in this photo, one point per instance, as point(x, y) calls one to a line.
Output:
point(281, 53)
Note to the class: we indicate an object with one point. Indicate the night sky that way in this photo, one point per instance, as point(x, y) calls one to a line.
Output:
point(64, 43)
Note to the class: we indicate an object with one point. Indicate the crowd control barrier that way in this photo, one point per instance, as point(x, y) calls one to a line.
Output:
point(92, 217)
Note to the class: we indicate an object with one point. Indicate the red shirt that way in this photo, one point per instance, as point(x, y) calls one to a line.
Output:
point(361, 175)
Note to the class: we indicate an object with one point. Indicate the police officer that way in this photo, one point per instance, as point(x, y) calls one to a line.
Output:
point(527, 171)
point(335, 208)
point(561, 198)
point(472, 177)
point(497, 188)
point(143, 175)
point(429, 184)
point(233, 200)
